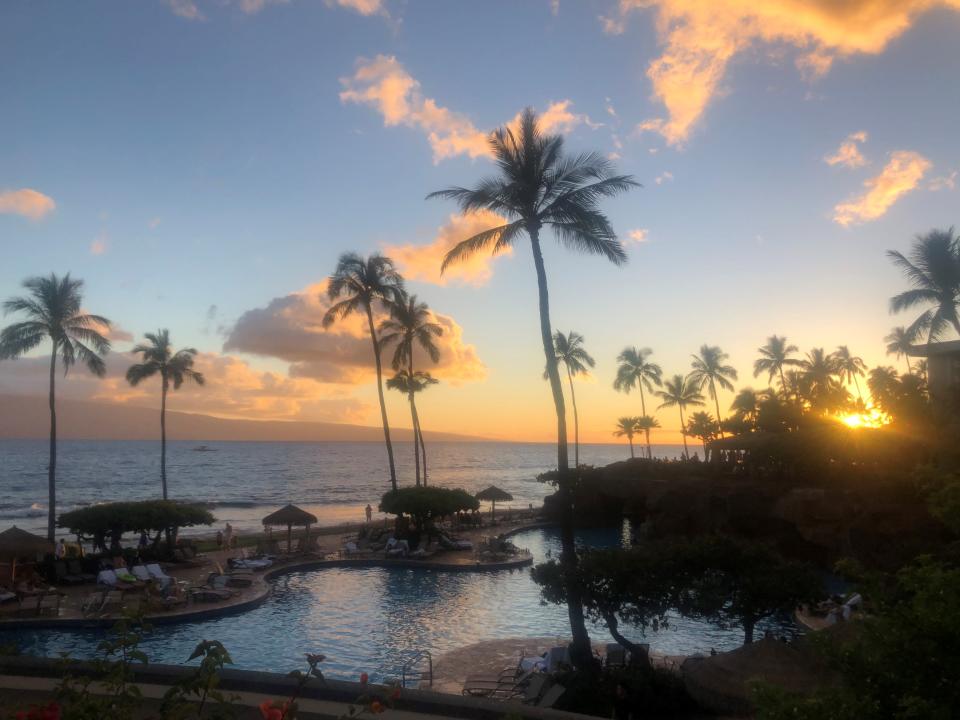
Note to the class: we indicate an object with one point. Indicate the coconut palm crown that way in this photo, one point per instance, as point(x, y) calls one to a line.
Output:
point(635, 371)
point(708, 371)
point(355, 286)
point(899, 342)
point(575, 359)
point(173, 368)
point(933, 269)
point(53, 310)
point(774, 357)
point(681, 392)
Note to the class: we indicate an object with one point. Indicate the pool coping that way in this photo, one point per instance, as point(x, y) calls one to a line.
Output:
point(263, 593)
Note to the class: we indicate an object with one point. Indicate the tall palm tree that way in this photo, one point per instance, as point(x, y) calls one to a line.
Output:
point(746, 404)
point(882, 383)
point(356, 284)
point(819, 380)
point(627, 427)
point(900, 342)
point(411, 384)
point(634, 370)
point(410, 325)
point(774, 357)
point(702, 425)
point(681, 392)
point(849, 367)
point(53, 310)
point(646, 423)
point(933, 269)
point(709, 371)
point(537, 187)
point(575, 359)
point(173, 368)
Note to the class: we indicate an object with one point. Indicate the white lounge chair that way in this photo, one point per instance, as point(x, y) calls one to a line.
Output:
point(157, 573)
point(140, 573)
point(557, 656)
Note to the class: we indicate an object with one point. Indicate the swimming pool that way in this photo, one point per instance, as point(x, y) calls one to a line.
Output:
point(373, 619)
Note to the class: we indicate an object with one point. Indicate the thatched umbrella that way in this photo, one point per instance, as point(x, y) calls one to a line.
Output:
point(493, 495)
point(16, 544)
point(722, 683)
point(291, 515)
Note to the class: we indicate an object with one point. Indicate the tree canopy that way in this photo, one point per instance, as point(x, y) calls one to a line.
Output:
point(424, 504)
point(115, 519)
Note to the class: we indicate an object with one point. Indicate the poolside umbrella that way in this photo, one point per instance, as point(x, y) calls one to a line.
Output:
point(493, 494)
point(291, 515)
point(16, 543)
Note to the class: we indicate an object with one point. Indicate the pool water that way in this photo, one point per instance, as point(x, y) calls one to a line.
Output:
point(373, 619)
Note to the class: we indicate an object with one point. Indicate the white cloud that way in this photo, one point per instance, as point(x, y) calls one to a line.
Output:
point(665, 176)
point(900, 175)
point(28, 203)
point(639, 235)
point(848, 154)
point(944, 182)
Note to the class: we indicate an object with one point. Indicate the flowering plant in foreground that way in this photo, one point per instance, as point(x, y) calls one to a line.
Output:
point(50, 711)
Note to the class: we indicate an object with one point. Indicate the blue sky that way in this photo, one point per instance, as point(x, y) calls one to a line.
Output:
point(202, 163)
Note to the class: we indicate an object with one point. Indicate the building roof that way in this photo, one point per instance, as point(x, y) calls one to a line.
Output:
point(931, 349)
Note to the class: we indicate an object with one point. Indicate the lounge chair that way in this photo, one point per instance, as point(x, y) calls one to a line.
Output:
point(551, 696)
point(63, 576)
point(140, 572)
point(506, 684)
point(47, 603)
point(109, 579)
point(157, 573)
point(616, 655)
point(557, 656)
point(225, 582)
point(6, 595)
point(209, 594)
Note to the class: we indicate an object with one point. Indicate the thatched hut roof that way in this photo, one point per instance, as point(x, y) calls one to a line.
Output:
point(722, 683)
point(17, 543)
point(494, 494)
point(290, 515)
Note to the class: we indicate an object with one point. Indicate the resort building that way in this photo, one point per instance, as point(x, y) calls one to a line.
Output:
point(943, 369)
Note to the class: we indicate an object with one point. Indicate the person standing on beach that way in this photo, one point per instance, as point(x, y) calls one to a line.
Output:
point(369, 513)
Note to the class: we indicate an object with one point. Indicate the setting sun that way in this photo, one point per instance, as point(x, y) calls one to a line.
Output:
point(871, 418)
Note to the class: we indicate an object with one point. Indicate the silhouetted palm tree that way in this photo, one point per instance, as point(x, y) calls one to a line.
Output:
point(635, 371)
point(681, 392)
point(411, 324)
point(571, 353)
point(702, 425)
point(172, 367)
point(900, 342)
point(933, 269)
point(882, 383)
point(646, 423)
point(536, 187)
point(53, 309)
point(774, 357)
point(357, 283)
point(411, 384)
point(849, 367)
point(627, 427)
point(709, 371)
point(819, 380)
point(746, 404)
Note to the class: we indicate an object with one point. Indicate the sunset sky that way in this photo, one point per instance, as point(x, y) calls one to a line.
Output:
point(202, 163)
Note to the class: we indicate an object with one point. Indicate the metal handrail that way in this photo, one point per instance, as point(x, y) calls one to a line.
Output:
point(410, 663)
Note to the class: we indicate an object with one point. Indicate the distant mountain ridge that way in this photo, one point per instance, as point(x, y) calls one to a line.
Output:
point(27, 416)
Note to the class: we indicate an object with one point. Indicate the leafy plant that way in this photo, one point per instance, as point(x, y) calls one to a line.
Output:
point(203, 685)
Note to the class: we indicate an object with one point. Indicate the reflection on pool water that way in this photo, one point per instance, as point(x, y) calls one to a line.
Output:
point(372, 619)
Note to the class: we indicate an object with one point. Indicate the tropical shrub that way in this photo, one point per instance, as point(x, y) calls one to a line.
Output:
point(151, 516)
point(424, 504)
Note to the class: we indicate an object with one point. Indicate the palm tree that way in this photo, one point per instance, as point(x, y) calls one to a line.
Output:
point(849, 367)
point(681, 392)
point(746, 404)
point(635, 371)
point(702, 425)
point(646, 423)
point(627, 427)
point(709, 370)
point(536, 187)
point(774, 356)
point(411, 384)
point(411, 324)
point(357, 283)
point(900, 342)
point(819, 380)
point(933, 269)
point(172, 367)
point(53, 308)
point(575, 359)
point(882, 383)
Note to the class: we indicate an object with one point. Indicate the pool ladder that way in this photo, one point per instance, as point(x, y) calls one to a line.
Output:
point(410, 669)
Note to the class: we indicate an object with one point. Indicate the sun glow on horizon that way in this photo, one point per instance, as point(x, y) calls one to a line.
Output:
point(870, 418)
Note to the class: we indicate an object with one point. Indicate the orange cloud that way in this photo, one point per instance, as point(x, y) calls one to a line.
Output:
point(26, 202)
point(290, 328)
point(364, 7)
point(422, 262)
point(384, 84)
point(848, 154)
point(899, 176)
point(639, 235)
point(700, 38)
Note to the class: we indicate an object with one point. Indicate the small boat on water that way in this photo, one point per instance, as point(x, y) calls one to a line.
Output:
point(204, 448)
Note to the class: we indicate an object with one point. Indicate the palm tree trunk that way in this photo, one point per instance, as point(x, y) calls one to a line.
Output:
point(413, 419)
point(580, 649)
point(856, 384)
point(643, 409)
point(630, 440)
point(383, 405)
point(52, 464)
point(716, 399)
point(163, 437)
point(909, 369)
point(576, 422)
point(423, 450)
point(683, 431)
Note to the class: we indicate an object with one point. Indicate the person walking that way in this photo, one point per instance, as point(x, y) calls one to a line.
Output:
point(369, 511)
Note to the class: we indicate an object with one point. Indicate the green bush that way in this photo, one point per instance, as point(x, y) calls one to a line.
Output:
point(425, 504)
point(151, 516)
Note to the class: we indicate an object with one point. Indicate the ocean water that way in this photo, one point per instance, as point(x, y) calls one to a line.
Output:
point(243, 481)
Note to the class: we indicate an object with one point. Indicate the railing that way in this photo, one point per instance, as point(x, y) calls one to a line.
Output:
point(409, 668)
